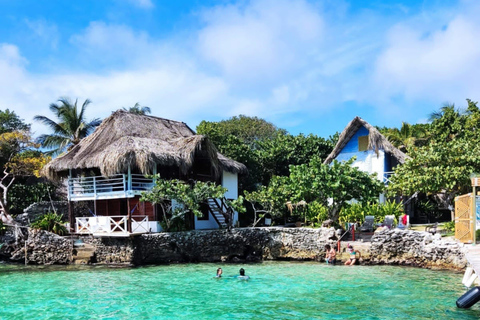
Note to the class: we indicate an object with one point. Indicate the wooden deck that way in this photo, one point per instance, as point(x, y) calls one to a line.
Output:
point(473, 257)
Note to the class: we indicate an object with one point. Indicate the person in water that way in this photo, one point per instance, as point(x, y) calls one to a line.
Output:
point(331, 254)
point(242, 275)
point(353, 256)
point(219, 273)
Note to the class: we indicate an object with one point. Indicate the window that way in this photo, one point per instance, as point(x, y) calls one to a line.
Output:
point(362, 143)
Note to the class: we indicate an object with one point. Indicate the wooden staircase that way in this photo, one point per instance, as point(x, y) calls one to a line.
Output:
point(219, 210)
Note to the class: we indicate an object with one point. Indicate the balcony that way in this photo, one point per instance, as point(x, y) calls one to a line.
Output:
point(99, 187)
point(114, 225)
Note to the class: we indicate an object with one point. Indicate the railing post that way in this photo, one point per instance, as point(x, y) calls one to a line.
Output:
point(94, 187)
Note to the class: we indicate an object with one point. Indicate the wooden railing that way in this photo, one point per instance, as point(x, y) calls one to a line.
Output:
point(119, 185)
point(110, 224)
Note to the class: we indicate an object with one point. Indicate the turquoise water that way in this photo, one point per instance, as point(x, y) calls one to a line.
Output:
point(276, 290)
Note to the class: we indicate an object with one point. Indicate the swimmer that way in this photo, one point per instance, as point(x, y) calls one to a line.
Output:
point(219, 273)
point(242, 275)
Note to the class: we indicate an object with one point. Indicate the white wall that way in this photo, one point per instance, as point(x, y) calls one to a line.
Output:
point(230, 181)
point(206, 224)
point(371, 163)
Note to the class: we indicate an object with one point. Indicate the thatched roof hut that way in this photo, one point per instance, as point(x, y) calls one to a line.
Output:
point(126, 140)
point(376, 141)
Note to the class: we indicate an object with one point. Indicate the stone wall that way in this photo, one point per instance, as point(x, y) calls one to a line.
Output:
point(243, 244)
point(37, 209)
point(41, 247)
point(420, 249)
point(397, 247)
point(111, 250)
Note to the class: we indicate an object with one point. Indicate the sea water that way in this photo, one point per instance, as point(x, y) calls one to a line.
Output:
point(276, 290)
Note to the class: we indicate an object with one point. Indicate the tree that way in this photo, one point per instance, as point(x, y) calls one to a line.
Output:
point(439, 168)
point(447, 124)
point(276, 155)
point(9, 122)
point(265, 150)
point(249, 130)
point(177, 198)
point(331, 186)
point(407, 137)
point(16, 147)
point(138, 109)
point(70, 129)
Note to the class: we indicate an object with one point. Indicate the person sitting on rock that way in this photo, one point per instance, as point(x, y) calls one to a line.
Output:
point(331, 254)
point(353, 256)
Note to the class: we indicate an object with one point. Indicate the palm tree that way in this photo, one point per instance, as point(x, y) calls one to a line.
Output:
point(71, 127)
point(137, 109)
point(407, 136)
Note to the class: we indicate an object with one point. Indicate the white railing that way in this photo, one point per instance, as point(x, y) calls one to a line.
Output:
point(111, 224)
point(98, 187)
point(387, 176)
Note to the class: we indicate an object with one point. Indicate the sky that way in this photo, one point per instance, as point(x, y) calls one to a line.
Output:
point(307, 66)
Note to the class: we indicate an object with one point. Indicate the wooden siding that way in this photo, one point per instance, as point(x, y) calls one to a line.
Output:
point(140, 208)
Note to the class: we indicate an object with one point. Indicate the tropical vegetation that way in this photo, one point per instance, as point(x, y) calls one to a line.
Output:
point(70, 127)
point(51, 222)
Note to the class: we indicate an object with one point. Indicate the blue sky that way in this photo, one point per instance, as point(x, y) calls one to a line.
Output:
point(306, 66)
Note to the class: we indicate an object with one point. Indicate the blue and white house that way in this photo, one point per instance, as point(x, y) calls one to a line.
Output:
point(374, 153)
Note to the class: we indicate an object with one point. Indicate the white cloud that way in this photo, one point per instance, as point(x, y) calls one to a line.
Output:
point(261, 40)
point(432, 63)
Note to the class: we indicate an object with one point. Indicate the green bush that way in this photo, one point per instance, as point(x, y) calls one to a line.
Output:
point(316, 213)
point(356, 212)
point(51, 222)
point(450, 226)
point(20, 196)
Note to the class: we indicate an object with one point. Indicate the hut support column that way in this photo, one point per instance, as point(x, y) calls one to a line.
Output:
point(71, 216)
point(129, 216)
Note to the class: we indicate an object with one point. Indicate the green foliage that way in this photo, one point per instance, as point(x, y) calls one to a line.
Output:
point(450, 227)
point(331, 186)
point(70, 128)
point(51, 222)
point(187, 197)
point(266, 150)
point(356, 212)
point(316, 213)
point(408, 136)
point(138, 109)
point(10, 122)
point(249, 130)
point(276, 155)
point(20, 196)
point(438, 168)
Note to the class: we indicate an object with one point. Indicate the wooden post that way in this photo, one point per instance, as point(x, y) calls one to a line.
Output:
point(71, 216)
point(129, 216)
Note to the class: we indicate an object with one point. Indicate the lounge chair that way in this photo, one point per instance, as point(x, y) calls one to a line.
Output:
point(367, 225)
point(388, 222)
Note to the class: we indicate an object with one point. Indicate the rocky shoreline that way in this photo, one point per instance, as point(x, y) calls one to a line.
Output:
point(391, 247)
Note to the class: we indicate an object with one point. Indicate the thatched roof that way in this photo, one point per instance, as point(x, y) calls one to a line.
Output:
point(376, 141)
point(126, 139)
